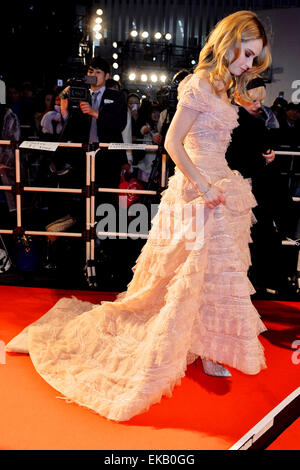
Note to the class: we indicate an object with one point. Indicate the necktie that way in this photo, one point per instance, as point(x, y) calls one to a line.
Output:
point(93, 128)
point(94, 99)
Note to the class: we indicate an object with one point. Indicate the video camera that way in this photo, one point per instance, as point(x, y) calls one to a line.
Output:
point(79, 90)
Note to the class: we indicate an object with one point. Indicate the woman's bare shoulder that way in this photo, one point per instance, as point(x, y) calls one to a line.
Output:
point(202, 77)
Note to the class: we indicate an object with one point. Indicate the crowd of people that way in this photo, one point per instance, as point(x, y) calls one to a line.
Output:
point(115, 114)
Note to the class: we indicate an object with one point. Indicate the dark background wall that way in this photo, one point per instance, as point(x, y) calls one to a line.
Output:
point(39, 41)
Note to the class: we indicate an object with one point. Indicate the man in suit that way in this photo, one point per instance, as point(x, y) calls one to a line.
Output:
point(101, 119)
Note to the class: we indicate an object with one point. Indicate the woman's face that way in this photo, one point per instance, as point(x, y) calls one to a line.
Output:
point(155, 115)
point(48, 99)
point(133, 103)
point(249, 50)
point(254, 106)
point(57, 101)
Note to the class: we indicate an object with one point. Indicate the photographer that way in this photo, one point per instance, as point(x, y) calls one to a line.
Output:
point(101, 117)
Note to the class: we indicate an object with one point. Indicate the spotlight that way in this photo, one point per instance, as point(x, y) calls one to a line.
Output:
point(153, 78)
point(163, 78)
point(98, 36)
point(134, 33)
point(116, 77)
point(144, 77)
point(115, 56)
point(145, 34)
point(115, 44)
point(115, 65)
point(99, 12)
point(168, 36)
point(132, 76)
point(157, 35)
point(97, 27)
point(98, 20)
point(193, 62)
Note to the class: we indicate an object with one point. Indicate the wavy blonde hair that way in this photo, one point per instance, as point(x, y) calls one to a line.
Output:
point(226, 39)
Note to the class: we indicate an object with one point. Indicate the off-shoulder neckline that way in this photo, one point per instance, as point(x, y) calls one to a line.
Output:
point(211, 92)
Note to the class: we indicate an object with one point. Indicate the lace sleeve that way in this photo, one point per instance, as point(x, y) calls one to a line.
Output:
point(194, 95)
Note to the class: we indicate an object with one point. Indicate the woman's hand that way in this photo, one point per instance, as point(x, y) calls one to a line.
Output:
point(269, 156)
point(3, 168)
point(145, 129)
point(214, 196)
point(157, 138)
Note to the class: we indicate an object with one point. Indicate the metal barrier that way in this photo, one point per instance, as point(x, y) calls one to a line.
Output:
point(89, 192)
point(295, 199)
point(290, 172)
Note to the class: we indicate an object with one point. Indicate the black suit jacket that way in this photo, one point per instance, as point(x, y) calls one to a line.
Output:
point(111, 121)
point(112, 117)
point(248, 142)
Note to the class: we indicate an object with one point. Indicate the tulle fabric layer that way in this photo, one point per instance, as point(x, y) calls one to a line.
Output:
point(119, 358)
point(189, 296)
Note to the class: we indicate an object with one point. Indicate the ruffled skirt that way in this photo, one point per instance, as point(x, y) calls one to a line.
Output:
point(189, 297)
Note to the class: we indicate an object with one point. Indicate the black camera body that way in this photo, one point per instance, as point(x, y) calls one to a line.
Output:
point(79, 90)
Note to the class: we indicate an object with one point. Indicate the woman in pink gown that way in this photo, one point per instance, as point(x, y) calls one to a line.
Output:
point(190, 294)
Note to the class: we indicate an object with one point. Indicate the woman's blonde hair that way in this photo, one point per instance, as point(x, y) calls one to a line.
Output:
point(225, 39)
point(257, 94)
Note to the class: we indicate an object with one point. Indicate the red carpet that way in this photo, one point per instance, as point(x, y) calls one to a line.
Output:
point(203, 413)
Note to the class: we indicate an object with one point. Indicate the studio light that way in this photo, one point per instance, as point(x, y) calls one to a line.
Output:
point(99, 12)
point(144, 77)
point(115, 56)
point(115, 65)
point(116, 77)
point(132, 76)
point(98, 20)
point(115, 44)
point(134, 33)
point(163, 78)
point(145, 34)
point(168, 36)
point(157, 35)
point(153, 78)
point(97, 27)
point(98, 36)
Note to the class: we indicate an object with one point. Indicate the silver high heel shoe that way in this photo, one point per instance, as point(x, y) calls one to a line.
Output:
point(214, 369)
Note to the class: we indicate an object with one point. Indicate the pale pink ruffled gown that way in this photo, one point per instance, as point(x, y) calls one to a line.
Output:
point(189, 296)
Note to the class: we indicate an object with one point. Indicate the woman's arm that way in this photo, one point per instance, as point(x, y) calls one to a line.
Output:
point(180, 125)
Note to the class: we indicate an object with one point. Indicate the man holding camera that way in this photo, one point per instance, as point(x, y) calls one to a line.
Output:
point(100, 119)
